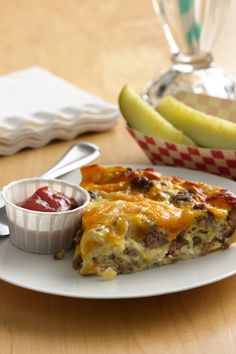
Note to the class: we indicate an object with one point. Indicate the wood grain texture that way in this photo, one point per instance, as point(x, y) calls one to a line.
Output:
point(100, 45)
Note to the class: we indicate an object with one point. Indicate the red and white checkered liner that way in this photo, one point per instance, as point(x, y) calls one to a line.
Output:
point(220, 162)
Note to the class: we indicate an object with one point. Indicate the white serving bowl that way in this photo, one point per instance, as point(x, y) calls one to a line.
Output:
point(43, 232)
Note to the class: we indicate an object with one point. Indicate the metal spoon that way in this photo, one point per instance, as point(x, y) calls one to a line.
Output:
point(77, 156)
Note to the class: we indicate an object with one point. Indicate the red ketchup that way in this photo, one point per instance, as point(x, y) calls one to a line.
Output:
point(48, 200)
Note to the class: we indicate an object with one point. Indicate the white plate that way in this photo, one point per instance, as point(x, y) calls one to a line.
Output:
point(42, 273)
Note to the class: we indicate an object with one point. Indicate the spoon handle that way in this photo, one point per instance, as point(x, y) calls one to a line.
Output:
point(78, 155)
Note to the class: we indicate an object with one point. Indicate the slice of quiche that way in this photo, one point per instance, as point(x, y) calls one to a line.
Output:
point(139, 219)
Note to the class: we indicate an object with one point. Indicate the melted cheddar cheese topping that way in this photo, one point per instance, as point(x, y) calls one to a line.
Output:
point(133, 208)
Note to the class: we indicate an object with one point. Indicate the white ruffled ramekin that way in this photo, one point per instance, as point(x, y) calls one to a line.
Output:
point(43, 232)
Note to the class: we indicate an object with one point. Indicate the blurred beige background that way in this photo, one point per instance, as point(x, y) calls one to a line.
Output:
point(225, 47)
point(57, 35)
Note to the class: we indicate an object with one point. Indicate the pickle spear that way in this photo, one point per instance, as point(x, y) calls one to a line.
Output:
point(142, 117)
point(206, 130)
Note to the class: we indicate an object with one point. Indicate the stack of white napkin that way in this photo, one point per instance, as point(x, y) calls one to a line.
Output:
point(37, 107)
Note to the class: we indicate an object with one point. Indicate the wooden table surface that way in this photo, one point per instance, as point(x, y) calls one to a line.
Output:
point(100, 45)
